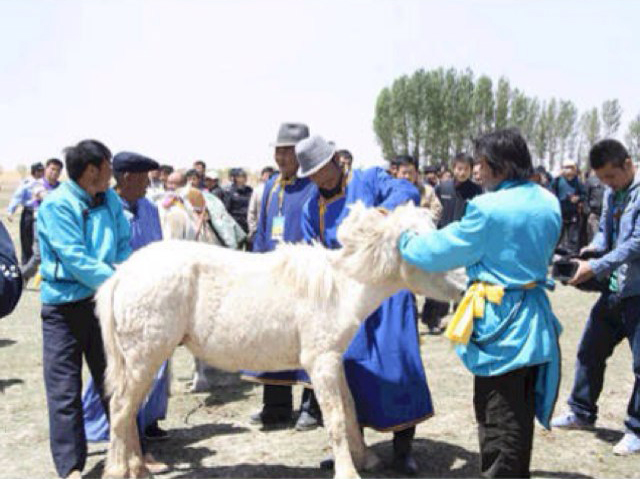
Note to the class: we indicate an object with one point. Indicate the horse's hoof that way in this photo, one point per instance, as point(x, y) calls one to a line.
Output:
point(352, 474)
point(114, 473)
point(139, 471)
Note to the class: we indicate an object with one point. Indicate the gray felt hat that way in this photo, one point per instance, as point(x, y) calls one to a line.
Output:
point(313, 153)
point(291, 133)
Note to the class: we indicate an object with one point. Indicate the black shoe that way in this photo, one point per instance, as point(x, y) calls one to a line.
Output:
point(269, 419)
point(405, 465)
point(153, 432)
point(306, 422)
point(328, 464)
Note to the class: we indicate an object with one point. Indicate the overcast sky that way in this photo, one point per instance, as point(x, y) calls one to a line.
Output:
point(180, 80)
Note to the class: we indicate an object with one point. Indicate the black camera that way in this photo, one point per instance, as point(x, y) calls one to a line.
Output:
point(565, 266)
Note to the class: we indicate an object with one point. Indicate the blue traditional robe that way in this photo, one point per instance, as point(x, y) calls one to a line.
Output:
point(145, 228)
point(281, 199)
point(505, 238)
point(383, 365)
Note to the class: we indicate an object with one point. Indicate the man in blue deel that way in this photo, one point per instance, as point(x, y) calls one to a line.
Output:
point(506, 330)
point(130, 171)
point(280, 220)
point(382, 364)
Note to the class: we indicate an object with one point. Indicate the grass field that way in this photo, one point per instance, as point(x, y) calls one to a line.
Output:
point(210, 435)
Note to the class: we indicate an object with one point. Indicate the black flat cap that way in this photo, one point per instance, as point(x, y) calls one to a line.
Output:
point(125, 161)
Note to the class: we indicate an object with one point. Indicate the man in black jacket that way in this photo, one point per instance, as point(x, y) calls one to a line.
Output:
point(237, 197)
point(454, 195)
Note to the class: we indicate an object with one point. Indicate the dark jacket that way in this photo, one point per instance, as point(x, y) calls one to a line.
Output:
point(236, 201)
point(10, 276)
point(564, 189)
point(454, 197)
point(594, 193)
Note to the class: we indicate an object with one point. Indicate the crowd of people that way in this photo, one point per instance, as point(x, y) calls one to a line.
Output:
point(493, 213)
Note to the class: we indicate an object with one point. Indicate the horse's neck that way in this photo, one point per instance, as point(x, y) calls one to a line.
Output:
point(364, 299)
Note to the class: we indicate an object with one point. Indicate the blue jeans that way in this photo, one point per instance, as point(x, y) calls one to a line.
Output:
point(611, 320)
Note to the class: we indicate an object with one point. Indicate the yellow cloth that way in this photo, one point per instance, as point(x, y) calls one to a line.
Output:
point(37, 280)
point(472, 306)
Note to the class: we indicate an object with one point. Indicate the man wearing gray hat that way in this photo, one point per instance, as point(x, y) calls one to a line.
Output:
point(383, 365)
point(280, 221)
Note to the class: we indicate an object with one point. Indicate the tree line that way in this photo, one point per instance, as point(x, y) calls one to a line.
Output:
point(434, 114)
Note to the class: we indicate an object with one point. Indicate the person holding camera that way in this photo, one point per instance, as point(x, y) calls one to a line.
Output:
point(616, 314)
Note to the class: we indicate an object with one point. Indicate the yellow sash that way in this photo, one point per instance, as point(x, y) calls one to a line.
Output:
point(472, 306)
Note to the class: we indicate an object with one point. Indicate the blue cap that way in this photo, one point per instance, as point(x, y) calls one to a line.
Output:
point(125, 161)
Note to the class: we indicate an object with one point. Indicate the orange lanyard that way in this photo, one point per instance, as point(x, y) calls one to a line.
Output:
point(323, 202)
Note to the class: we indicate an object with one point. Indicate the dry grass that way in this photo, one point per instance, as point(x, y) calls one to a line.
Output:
point(210, 436)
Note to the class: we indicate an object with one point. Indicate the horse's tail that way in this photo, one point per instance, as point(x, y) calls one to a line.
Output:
point(115, 376)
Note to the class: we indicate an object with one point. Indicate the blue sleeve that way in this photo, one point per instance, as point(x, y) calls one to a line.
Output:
point(19, 198)
point(260, 238)
point(599, 241)
point(10, 276)
point(67, 244)
point(123, 228)
point(460, 243)
point(391, 192)
point(626, 251)
point(309, 232)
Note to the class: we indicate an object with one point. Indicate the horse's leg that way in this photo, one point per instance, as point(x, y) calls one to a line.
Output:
point(124, 458)
point(329, 383)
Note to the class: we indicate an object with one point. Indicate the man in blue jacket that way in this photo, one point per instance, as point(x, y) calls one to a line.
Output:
point(83, 235)
point(616, 314)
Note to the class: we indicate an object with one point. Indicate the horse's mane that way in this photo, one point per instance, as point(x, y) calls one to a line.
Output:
point(308, 271)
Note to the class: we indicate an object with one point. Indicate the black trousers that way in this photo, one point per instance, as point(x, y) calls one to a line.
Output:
point(433, 311)
point(570, 235)
point(278, 401)
point(69, 332)
point(504, 407)
point(26, 234)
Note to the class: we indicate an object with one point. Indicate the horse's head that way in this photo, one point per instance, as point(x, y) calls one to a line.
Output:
point(369, 254)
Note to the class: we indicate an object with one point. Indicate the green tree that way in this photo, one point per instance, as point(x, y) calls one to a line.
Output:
point(566, 128)
point(611, 115)
point(590, 127)
point(416, 113)
point(633, 138)
point(383, 124)
point(483, 106)
point(503, 96)
point(399, 115)
point(551, 132)
point(433, 91)
point(540, 138)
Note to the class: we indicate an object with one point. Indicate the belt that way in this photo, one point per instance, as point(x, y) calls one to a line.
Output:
point(472, 306)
